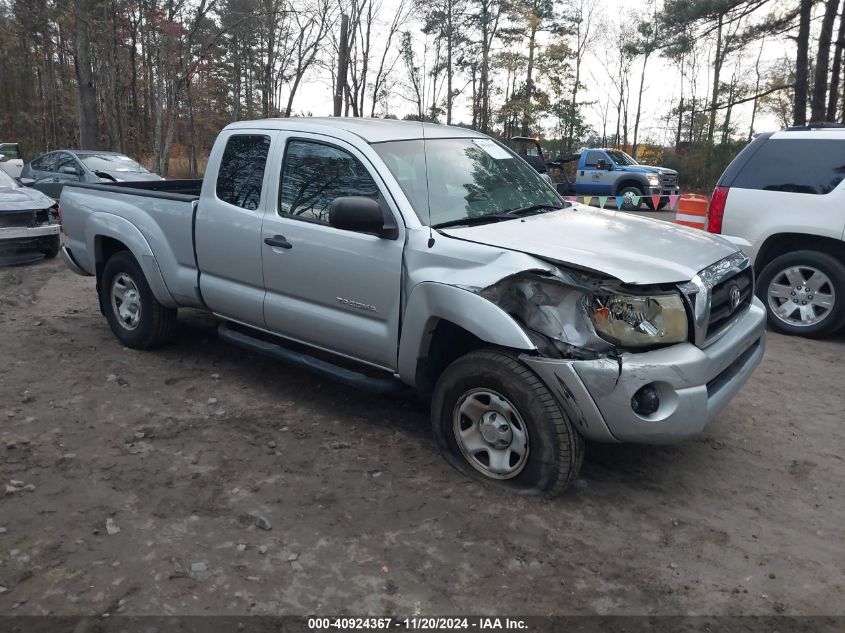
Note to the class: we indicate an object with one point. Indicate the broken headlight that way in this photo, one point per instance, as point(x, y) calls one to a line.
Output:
point(639, 321)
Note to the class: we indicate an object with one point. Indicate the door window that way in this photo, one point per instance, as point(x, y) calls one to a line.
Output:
point(241, 174)
point(10, 151)
point(314, 174)
point(593, 158)
point(795, 165)
point(64, 161)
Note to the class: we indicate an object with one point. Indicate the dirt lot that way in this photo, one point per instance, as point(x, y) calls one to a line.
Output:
point(139, 477)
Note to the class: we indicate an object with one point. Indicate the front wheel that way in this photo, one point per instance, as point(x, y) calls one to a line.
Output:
point(630, 195)
point(494, 420)
point(804, 293)
point(135, 316)
point(51, 248)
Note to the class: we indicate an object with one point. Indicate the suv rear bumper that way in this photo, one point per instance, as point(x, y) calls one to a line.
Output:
point(694, 384)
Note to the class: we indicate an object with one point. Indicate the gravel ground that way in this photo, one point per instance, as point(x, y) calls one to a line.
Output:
point(201, 479)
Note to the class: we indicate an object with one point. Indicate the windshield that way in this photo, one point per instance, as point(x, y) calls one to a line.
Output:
point(110, 162)
point(467, 178)
point(621, 158)
point(10, 151)
point(6, 181)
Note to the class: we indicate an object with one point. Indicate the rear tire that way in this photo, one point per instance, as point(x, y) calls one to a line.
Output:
point(494, 420)
point(135, 316)
point(627, 203)
point(804, 293)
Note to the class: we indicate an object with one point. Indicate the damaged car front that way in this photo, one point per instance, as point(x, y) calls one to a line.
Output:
point(643, 330)
point(29, 223)
point(624, 359)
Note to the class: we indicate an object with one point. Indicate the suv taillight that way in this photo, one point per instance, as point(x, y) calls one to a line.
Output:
point(716, 210)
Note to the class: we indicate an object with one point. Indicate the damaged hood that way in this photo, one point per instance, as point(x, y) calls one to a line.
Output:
point(14, 199)
point(630, 248)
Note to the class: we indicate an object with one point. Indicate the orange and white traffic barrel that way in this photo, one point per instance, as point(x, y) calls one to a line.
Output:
point(692, 211)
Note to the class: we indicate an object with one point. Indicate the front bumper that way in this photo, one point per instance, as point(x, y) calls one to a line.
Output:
point(664, 191)
point(694, 384)
point(23, 245)
point(26, 232)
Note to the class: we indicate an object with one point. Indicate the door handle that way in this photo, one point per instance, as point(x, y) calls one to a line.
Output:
point(277, 241)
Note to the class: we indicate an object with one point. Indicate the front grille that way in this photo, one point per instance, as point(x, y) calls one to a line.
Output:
point(722, 311)
point(670, 180)
point(17, 219)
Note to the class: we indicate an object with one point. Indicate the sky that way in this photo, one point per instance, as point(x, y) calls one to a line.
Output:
point(662, 83)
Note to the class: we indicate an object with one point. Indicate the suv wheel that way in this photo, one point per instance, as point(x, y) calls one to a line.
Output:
point(135, 316)
point(494, 420)
point(804, 293)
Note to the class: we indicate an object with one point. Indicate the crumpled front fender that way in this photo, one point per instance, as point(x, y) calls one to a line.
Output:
point(429, 302)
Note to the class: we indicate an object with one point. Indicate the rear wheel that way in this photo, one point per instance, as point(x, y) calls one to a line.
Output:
point(136, 317)
point(629, 195)
point(494, 420)
point(804, 293)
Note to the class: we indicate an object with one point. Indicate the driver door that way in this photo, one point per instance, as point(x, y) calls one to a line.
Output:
point(330, 288)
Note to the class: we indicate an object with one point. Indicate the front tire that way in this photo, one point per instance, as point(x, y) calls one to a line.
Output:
point(804, 293)
point(494, 420)
point(52, 248)
point(628, 194)
point(135, 316)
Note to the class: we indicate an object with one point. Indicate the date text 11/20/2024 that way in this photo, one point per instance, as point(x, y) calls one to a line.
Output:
point(419, 623)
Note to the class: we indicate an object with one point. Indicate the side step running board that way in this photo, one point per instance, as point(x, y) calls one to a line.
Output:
point(383, 386)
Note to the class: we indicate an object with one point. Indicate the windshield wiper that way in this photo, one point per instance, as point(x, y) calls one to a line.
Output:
point(531, 209)
point(474, 220)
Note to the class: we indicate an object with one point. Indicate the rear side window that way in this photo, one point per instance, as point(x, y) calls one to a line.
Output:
point(241, 172)
point(46, 162)
point(795, 165)
point(314, 174)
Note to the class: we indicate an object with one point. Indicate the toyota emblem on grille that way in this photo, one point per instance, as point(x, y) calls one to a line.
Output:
point(736, 297)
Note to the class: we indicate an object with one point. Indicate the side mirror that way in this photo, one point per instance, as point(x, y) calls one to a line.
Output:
point(69, 170)
point(2, 158)
point(601, 164)
point(27, 182)
point(362, 215)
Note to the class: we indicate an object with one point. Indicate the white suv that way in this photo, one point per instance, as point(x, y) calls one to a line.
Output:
point(782, 200)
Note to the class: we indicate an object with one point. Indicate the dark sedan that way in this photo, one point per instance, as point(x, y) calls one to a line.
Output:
point(52, 171)
point(29, 223)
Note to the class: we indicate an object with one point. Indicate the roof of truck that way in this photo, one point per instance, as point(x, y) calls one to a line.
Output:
point(370, 130)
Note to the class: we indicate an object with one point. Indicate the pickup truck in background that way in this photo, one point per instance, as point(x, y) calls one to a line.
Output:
point(612, 172)
point(432, 257)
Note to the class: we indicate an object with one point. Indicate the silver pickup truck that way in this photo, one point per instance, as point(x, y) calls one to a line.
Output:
point(433, 257)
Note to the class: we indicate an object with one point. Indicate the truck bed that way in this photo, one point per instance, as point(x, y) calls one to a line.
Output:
point(154, 219)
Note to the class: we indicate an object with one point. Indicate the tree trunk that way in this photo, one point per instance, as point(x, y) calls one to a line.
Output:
point(799, 116)
point(342, 63)
point(634, 146)
point(819, 101)
point(85, 78)
point(449, 69)
point(529, 79)
point(838, 61)
point(717, 68)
